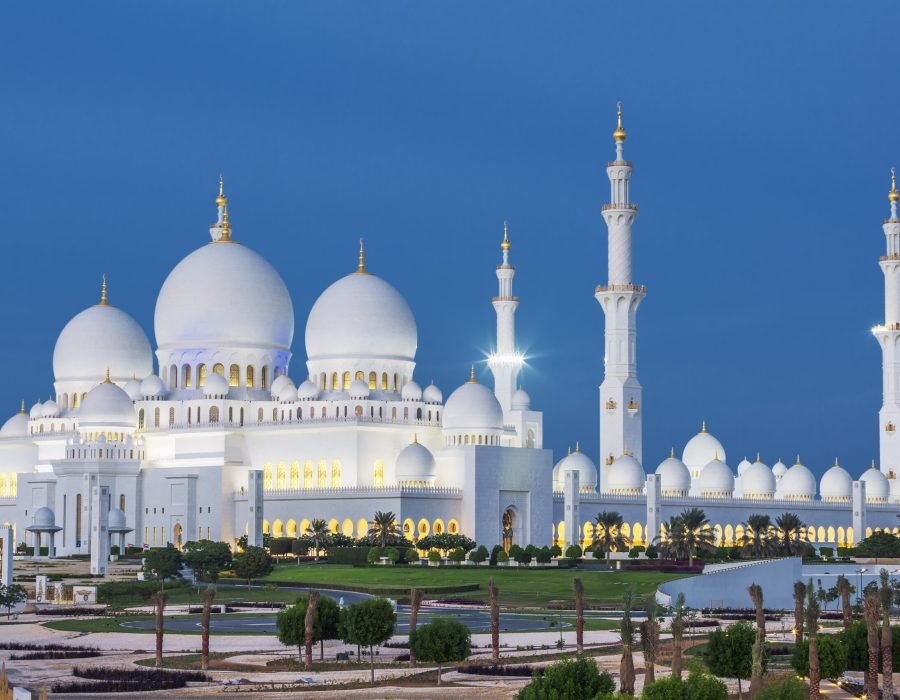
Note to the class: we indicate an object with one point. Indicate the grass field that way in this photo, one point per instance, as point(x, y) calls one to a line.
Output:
point(114, 624)
point(224, 595)
point(518, 587)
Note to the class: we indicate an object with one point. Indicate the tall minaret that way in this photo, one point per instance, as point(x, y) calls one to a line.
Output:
point(888, 337)
point(505, 362)
point(620, 393)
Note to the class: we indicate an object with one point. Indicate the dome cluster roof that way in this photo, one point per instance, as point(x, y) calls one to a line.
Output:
point(798, 484)
point(576, 461)
point(416, 463)
point(17, 425)
point(836, 484)
point(473, 407)
point(878, 489)
point(716, 480)
point(757, 481)
point(411, 391)
point(153, 387)
point(626, 475)
point(308, 391)
point(106, 406)
point(702, 449)
point(432, 394)
point(521, 401)
point(675, 478)
point(217, 386)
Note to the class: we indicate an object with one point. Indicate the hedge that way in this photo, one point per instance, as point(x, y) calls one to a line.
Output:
point(373, 590)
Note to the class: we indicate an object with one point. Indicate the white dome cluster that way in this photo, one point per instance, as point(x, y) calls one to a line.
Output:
point(17, 425)
point(472, 415)
point(674, 476)
point(757, 481)
point(579, 462)
point(216, 387)
point(416, 466)
point(107, 407)
point(836, 485)
point(716, 480)
point(700, 450)
point(626, 476)
point(878, 489)
point(798, 484)
point(432, 394)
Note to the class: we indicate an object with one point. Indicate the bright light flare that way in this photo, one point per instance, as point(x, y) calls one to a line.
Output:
point(511, 360)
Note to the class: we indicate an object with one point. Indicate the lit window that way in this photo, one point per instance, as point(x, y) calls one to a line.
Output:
point(201, 375)
point(250, 377)
point(323, 474)
point(234, 376)
point(336, 474)
point(346, 381)
point(219, 369)
point(379, 474)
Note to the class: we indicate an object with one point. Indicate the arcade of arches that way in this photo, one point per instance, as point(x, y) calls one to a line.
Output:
point(411, 529)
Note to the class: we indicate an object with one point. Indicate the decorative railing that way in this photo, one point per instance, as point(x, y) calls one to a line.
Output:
point(620, 163)
point(631, 206)
point(359, 491)
point(250, 422)
point(621, 288)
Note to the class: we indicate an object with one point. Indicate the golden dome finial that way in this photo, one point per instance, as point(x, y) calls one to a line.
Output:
point(798, 459)
point(893, 195)
point(835, 461)
point(221, 200)
point(415, 438)
point(757, 456)
point(505, 245)
point(619, 133)
point(672, 452)
point(703, 427)
point(104, 301)
point(226, 228)
point(716, 455)
point(361, 268)
point(577, 446)
point(873, 464)
point(107, 380)
point(22, 407)
point(472, 379)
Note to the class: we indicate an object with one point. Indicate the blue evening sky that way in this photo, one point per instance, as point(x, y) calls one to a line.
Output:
point(762, 136)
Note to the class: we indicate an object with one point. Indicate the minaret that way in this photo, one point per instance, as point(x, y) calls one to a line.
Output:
point(888, 337)
point(620, 393)
point(505, 362)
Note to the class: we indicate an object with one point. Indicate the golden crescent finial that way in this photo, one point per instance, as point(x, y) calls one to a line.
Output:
point(361, 268)
point(103, 298)
point(619, 133)
point(22, 408)
point(873, 464)
point(569, 451)
point(472, 379)
point(672, 453)
point(221, 200)
point(226, 227)
point(577, 446)
point(703, 427)
point(505, 245)
point(107, 380)
point(415, 438)
point(893, 195)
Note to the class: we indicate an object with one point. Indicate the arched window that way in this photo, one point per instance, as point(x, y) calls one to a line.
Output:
point(156, 417)
point(219, 369)
point(529, 441)
point(300, 413)
point(334, 381)
point(358, 411)
point(213, 414)
point(323, 474)
point(267, 476)
point(336, 474)
point(295, 475)
point(250, 376)
point(274, 415)
point(384, 381)
point(307, 475)
point(280, 476)
point(396, 381)
point(234, 375)
point(141, 419)
point(379, 474)
point(3, 489)
point(259, 416)
point(201, 375)
point(264, 383)
point(122, 502)
point(418, 414)
point(171, 417)
point(173, 376)
point(323, 378)
point(346, 381)
point(360, 376)
point(74, 400)
point(186, 377)
point(65, 400)
point(394, 413)
point(373, 381)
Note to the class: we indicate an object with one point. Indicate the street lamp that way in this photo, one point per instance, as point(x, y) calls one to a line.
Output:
point(859, 574)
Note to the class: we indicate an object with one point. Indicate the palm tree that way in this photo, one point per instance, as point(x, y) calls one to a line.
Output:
point(579, 616)
point(758, 540)
point(678, 636)
point(317, 530)
point(159, 601)
point(626, 637)
point(791, 534)
point(671, 546)
point(695, 533)
point(756, 595)
point(870, 607)
point(208, 596)
point(415, 602)
point(608, 533)
point(812, 626)
point(843, 587)
point(308, 622)
point(650, 640)
point(886, 597)
point(799, 600)
point(495, 620)
point(384, 528)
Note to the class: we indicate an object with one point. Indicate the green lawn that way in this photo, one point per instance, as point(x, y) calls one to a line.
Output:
point(224, 595)
point(517, 587)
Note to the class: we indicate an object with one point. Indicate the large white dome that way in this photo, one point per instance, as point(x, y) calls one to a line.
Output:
point(472, 407)
point(102, 338)
point(878, 489)
point(106, 406)
point(716, 480)
point(836, 484)
point(798, 484)
point(675, 479)
point(361, 316)
point(224, 295)
point(17, 425)
point(415, 464)
point(579, 462)
point(700, 450)
point(758, 481)
point(626, 476)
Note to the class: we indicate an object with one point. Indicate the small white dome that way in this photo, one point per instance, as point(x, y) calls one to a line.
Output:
point(716, 480)
point(116, 518)
point(49, 409)
point(153, 387)
point(282, 381)
point(576, 461)
point(411, 391)
point(521, 401)
point(758, 481)
point(101, 439)
point(877, 487)
point(216, 385)
point(16, 426)
point(798, 484)
point(415, 463)
point(742, 466)
point(702, 449)
point(308, 391)
point(674, 476)
point(106, 405)
point(133, 389)
point(626, 476)
point(360, 389)
point(432, 394)
point(36, 411)
point(472, 407)
point(44, 517)
point(836, 484)
point(779, 469)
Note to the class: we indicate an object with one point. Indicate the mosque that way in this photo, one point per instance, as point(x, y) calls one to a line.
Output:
point(214, 439)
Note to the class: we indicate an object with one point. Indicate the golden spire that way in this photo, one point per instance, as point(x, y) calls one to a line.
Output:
point(221, 200)
point(472, 379)
point(505, 245)
point(107, 380)
point(757, 457)
point(798, 459)
point(22, 408)
point(716, 457)
point(103, 299)
point(835, 461)
point(415, 438)
point(567, 453)
point(703, 427)
point(893, 195)
point(619, 133)
point(873, 464)
point(361, 269)
point(577, 446)
point(672, 453)
point(226, 228)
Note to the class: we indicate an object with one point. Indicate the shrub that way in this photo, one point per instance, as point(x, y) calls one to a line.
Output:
point(670, 688)
point(556, 551)
point(458, 555)
point(574, 679)
point(280, 546)
point(878, 544)
point(783, 688)
point(434, 556)
point(634, 553)
point(373, 555)
point(445, 542)
point(479, 555)
point(856, 642)
point(494, 551)
point(523, 556)
point(543, 555)
point(573, 551)
point(128, 680)
point(393, 554)
point(652, 552)
point(442, 641)
point(832, 656)
point(502, 557)
point(351, 556)
point(114, 550)
point(826, 551)
point(703, 686)
point(514, 552)
point(253, 562)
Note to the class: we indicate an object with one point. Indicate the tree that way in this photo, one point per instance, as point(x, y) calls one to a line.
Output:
point(783, 688)
point(870, 609)
point(886, 598)
point(494, 598)
point(317, 531)
point(440, 642)
point(812, 630)
point(759, 644)
point(253, 562)
point(626, 638)
point(159, 602)
point(308, 619)
point(370, 623)
point(831, 652)
point(879, 545)
point(11, 596)
point(791, 534)
point(480, 555)
point(206, 558)
point(291, 624)
point(579, 615)
point(650, 640)
point(415, 602)
point(698, 686)
point(730, 651)
point(671, 545)
point(758, 540)
point(208, 595)
point(383, 528)
point(799, 602)
point(573, 679)
point(573, 551)
point(161, 563)
point(692, 533)
point(608, 533)
point(843, 589)
point(678, 636)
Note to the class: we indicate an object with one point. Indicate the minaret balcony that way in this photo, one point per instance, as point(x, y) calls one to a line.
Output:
point(892, 256)
point(504, 298)
point(639, 288)
point(631, 206)
point(891, 221)
point(619, 164)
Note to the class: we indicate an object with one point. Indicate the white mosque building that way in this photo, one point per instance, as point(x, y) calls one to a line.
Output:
point(214, 439)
